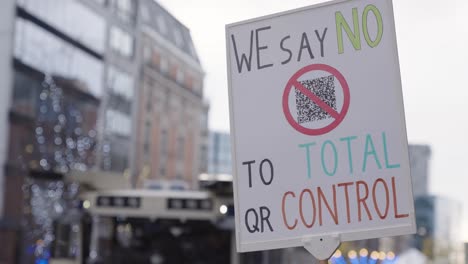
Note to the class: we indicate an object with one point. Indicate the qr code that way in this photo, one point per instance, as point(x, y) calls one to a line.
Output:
point(323, 88)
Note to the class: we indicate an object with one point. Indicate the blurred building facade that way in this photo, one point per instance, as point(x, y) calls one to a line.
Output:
point(466, 253)
point(172, 116)
point(438, 219)
point(420, 157)
point(54, 90)
point(219, 153)
point(111, 86)
point(438, 229)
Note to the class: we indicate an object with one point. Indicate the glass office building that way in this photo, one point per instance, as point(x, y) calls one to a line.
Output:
point(219, 153)
point(438, 223)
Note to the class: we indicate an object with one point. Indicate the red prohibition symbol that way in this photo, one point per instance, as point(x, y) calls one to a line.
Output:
point(337, 116)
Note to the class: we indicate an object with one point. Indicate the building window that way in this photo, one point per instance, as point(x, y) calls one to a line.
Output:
point(179, 39)
point(163, 152)
point(204, 120)
point(121, 42)
point(167, 102)
point(197, 86)
point(149, 99)
point(146, 148)
point(149, 106)
point(118, 123)
point(125, 9)
point(57, 57)
point(145, 14)
point(188, 82)
point(116, 154)
point(180, 148)
point(173, 71)
point(118, 103)
point(180, 76)
point(193, 52)
point(147, 137)
point(155, 59)
point(164, 144)
point(101, 2)
point(164, 67)
point(120, 83)
point(162, 24)
point(63, 15)
point(147, 54)
point(25, 94)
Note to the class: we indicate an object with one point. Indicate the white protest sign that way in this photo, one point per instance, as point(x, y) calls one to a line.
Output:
point(317, 125)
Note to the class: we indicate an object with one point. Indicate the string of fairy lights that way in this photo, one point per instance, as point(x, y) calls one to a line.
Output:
point(363, 257)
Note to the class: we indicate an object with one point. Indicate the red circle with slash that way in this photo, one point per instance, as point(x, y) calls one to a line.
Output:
point(338, 116)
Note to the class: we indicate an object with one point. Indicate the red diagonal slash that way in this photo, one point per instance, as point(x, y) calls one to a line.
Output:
point(294, 83)
point(316, 100)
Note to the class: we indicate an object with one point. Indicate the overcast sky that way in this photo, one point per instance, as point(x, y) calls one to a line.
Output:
point(433, 47)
